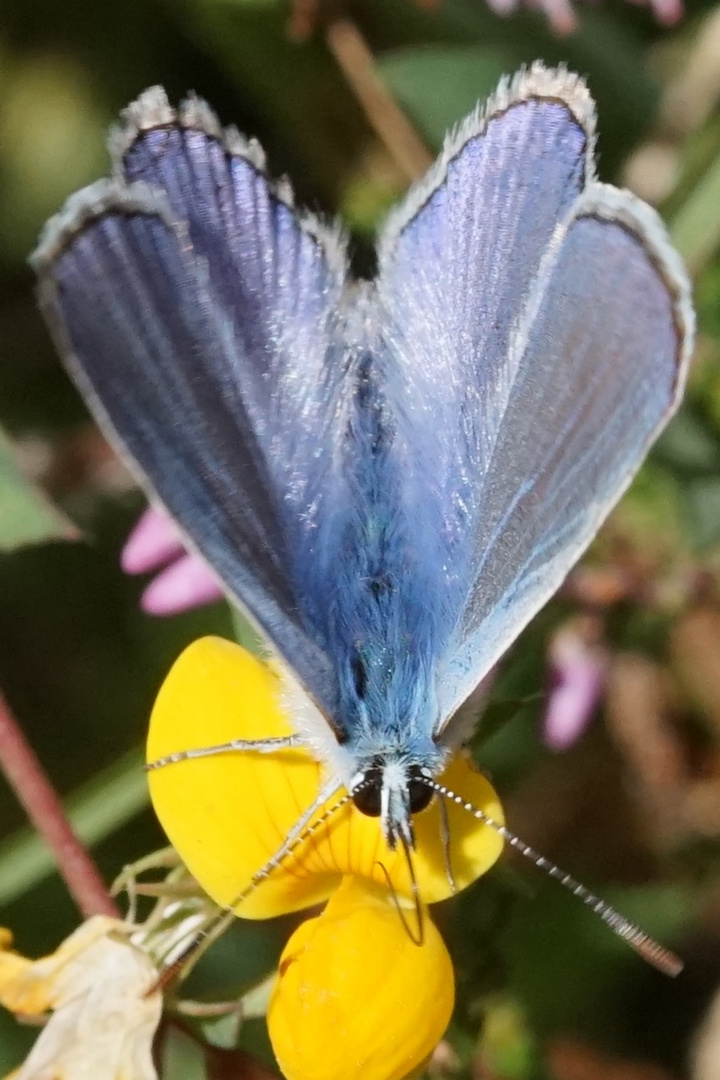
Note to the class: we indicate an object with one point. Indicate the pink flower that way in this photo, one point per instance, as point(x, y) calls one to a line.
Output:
point(578, 666)
point(562, 17)
point(182, 581)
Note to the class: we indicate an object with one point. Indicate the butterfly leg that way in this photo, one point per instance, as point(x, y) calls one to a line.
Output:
point(244, 746)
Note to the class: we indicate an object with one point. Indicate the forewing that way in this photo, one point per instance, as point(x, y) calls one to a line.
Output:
point(459, 257)
point(195, 310)
point(541, 322)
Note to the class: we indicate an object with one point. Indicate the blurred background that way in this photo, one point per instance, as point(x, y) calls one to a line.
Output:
point(603, 732)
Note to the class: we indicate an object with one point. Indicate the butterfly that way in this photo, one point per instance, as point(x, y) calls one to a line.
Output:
point(392, 476)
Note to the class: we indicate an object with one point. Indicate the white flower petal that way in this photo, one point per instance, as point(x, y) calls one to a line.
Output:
point(104, 1019)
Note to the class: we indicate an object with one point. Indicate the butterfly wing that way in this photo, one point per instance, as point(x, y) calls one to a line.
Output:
point(547, 321)
point(195, 309)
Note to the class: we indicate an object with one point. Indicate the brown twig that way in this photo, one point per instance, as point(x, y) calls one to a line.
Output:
point(30, 783)
point(303, 19)
point(231, 1064)
point(356, 62)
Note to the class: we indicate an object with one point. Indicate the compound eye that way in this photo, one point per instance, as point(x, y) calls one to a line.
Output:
point(367, 795)
point(419, 792)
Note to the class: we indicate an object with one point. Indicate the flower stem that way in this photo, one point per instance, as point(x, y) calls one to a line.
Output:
point(43, 806)
point(390, 123)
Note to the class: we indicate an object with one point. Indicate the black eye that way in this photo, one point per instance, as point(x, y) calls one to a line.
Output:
point(419, 792)
point(367, 795)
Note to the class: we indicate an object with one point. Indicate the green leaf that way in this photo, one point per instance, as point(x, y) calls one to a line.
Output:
point(695, 229)
point(500, 712)
point(507, 1047)
point(592, 971)
point(689, 446)
point(707, 300)
point(97, 809)
point(440, 84)
point(181, 1056)
point(701, 499)
point(26, 515)
point(245, 634)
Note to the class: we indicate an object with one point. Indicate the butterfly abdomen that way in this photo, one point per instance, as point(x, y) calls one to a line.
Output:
point(375, 571)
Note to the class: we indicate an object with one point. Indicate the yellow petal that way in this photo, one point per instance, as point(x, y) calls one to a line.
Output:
point(356, 998)
point(228, 814)
point(13, 970)
point(104, 1019)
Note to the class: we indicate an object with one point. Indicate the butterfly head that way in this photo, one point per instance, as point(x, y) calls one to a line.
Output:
point(392, 791)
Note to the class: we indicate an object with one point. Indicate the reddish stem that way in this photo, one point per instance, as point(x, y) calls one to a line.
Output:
point(45, 810)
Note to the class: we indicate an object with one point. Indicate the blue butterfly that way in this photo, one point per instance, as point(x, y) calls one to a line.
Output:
point(390, 477)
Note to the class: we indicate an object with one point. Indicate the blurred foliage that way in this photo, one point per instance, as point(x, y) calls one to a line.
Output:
point(28, 517)
point(634, 807)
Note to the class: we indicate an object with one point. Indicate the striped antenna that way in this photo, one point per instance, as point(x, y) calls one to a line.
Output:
point(651, 951)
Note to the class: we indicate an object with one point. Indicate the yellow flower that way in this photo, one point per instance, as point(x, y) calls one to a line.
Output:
point(103, 1019)
point(227, 814)
point(356, 998)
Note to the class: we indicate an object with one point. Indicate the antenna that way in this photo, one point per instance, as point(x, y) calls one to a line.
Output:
point(651, 951)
